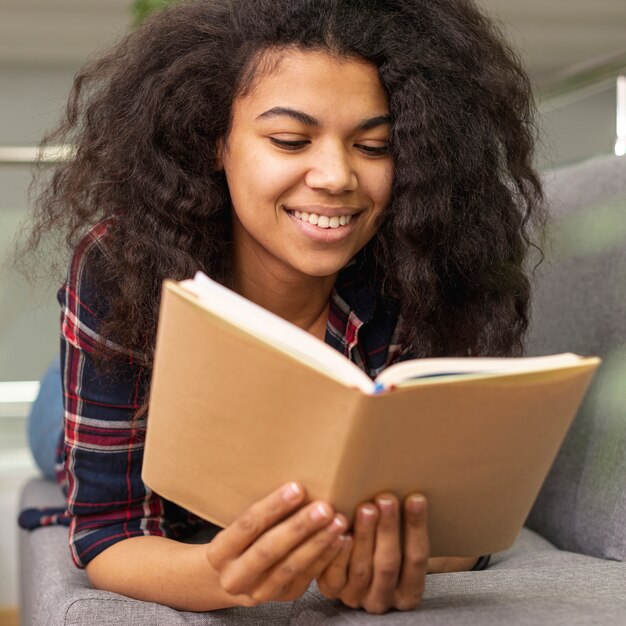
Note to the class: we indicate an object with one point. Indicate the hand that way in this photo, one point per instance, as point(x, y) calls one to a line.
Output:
point(276, 548)
point(378, 572)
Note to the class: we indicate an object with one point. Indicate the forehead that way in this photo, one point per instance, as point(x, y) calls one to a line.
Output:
point(319, 83)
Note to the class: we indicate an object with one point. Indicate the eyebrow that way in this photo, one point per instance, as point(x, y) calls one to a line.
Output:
point(309, 120)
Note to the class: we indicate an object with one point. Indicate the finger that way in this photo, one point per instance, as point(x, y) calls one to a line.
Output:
point(387, 556)
point(302, 582)
point(360, 569)
point(305, 561)
point(272, 546)
point(334, 577)
point(331, 555)
point(415, 557)
point(263, 514)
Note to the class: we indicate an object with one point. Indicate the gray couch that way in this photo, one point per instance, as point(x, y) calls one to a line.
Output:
point(567, 565)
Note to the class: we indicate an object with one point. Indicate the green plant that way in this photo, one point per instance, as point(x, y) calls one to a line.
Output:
point(142, 8)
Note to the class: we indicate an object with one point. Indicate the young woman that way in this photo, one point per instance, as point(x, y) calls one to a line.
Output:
point(360, 168)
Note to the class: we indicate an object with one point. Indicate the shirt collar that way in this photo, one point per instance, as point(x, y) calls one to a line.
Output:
point(353, 303)
point(354, 287)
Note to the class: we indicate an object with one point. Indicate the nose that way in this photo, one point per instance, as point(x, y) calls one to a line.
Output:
point(332, 170)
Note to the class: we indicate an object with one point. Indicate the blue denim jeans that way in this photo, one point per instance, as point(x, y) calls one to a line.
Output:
point(45, 422)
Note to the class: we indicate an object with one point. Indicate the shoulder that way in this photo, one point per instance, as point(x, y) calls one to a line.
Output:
point(90, 251)
point(84, 304)
point(80, 294)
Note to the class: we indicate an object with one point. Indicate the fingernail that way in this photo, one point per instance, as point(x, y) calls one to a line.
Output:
point(416, 504)
point(341, 541)
point(368, 513)
point(319, 512)
point(291, 492)
point(385, 504)
point(338, 523)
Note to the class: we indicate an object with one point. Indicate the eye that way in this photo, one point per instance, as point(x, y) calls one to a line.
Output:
point(294, 145)
point(373, 150)
point(288, 145)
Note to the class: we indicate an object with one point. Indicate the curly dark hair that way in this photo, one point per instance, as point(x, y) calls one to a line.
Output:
point(453, 244)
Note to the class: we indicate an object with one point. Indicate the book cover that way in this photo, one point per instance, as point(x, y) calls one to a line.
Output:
point(233, 416)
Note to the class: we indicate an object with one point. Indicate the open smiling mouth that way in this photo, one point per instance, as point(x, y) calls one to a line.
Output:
point(323, 221)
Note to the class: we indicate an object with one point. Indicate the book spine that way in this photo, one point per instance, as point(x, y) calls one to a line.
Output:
point(356, 475)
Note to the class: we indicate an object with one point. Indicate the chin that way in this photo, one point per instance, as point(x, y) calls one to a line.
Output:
point(319, 263)
point(320, 270)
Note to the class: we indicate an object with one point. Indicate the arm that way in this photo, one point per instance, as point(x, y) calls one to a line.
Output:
point(271, 552)
point(107, 501)
point(103, 447)
point(157, 569)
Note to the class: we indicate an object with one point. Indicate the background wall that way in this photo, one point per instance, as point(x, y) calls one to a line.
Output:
point(32, 99)
point(581, 127)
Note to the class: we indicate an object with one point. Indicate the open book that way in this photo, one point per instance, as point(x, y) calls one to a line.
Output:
point(242, 401)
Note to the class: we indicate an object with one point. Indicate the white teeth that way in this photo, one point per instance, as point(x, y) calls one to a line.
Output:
point(322, 220)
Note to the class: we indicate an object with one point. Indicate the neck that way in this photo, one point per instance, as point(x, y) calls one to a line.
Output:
point(301, 300)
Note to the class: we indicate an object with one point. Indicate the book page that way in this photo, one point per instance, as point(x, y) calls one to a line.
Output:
point(274, 330)
point(422, 368)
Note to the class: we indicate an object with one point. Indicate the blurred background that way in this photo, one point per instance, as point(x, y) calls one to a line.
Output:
point(575, 51)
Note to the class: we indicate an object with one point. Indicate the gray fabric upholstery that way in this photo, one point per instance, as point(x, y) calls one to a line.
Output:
point(580, 306)
point(532, 583)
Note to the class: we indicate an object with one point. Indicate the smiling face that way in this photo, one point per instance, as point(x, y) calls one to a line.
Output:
point(307, 165)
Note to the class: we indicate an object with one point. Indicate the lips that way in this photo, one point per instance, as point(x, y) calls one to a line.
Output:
point(326, 235)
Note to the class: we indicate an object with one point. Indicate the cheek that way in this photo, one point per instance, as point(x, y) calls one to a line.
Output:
point(379, 183)
point(258, 179)
point(387, 182)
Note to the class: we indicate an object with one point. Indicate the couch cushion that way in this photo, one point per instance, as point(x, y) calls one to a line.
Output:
point(580, 306)
point(532, 583)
